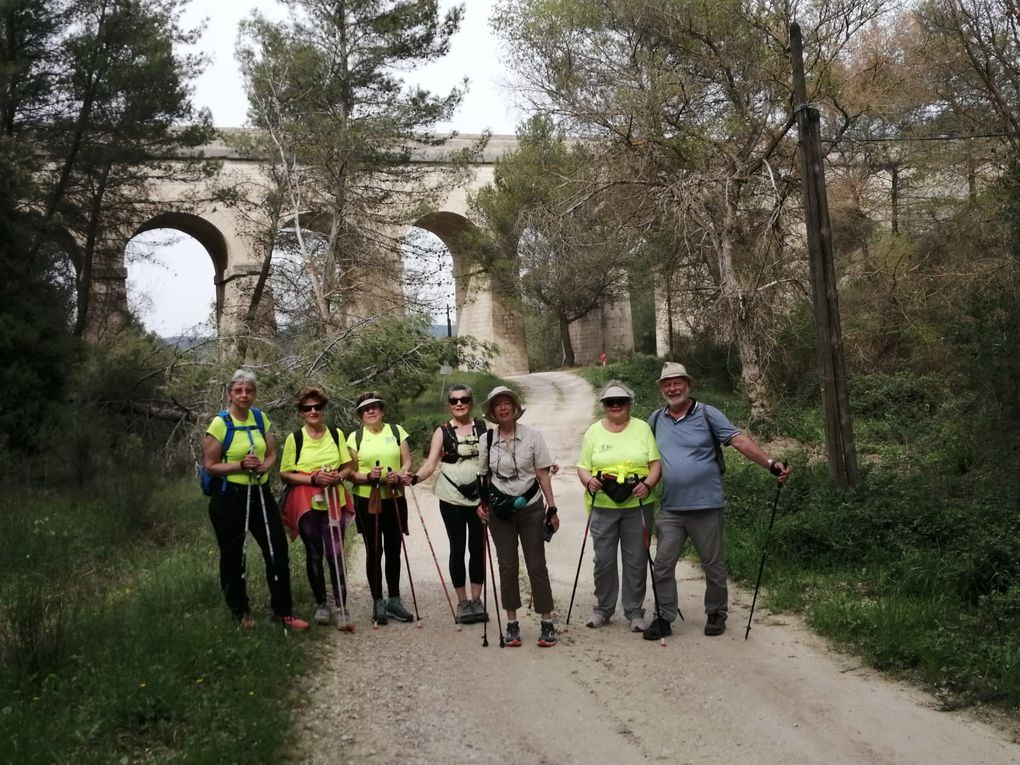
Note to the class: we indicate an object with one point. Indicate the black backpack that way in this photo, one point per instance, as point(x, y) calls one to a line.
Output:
point(450, 454)
point(299, 440)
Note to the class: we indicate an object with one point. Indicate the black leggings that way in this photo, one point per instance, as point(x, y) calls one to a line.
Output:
point(227, 511)
point(321, 541)
point(386, 528)
point(464, 528)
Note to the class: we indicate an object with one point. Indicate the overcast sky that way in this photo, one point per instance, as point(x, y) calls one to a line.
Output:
point(176, 292)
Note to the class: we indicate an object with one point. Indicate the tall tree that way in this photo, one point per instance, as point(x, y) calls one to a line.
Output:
point(547, 239)
point(340, 128)
point(696, 97)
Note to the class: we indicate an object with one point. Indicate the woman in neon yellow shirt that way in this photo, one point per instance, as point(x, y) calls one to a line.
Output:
point(319, 466)
point(381, 458)
point(618, 467)
point(243, 503)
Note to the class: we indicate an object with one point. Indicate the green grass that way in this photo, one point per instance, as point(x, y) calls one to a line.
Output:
point(115, 640)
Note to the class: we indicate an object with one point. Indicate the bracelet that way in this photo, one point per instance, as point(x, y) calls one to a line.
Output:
point(550, 511)
point(414, 479)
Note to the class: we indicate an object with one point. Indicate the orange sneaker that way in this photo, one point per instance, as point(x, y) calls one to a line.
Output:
point(295, 624)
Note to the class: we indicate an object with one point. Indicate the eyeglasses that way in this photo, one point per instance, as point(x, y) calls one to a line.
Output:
point(615, 401)
point(320, 407)
point(461, 400)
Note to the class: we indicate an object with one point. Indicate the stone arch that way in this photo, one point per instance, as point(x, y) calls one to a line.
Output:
point(480, 312)
point(206, 234)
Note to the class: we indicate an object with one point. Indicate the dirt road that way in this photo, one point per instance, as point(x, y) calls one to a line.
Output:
point(434, 695)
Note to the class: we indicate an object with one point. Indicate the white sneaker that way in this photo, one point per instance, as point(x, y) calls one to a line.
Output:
point(597, 620)
point(638, 625)
point(343, 621)
point(322, 614)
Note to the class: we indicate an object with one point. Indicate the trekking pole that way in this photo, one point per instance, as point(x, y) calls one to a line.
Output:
point(244, 535)
point(439, 571)
point(485, 596)
point(403, 544)
point(651, 568)
point(339, 566)
point(377, 492)
point(764, 550)
point(584, 541)
point(495, 596)
point(265, 518)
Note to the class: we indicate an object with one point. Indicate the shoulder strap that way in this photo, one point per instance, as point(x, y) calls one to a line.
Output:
point(395, 432)
point(480, 428)
point(336, 437)
point(299, 441)
point(449, 439)
point(358, 435)
point(228, 437)
point(655, 418)
point(260, 422)
point(719, 458)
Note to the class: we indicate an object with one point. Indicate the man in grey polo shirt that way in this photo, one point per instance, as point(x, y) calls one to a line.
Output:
point(690, 436)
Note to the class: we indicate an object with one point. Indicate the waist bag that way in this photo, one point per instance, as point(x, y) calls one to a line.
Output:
point(504, 505)
point(617, 491)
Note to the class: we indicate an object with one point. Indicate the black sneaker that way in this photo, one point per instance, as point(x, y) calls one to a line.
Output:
point(513, 634)
point(657, 630)
point(716, 624)
point(547, 638)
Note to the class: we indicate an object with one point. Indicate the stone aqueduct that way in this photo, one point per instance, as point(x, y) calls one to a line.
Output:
point(219, 229)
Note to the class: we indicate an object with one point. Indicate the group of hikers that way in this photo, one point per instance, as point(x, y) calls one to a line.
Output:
point(493, 481)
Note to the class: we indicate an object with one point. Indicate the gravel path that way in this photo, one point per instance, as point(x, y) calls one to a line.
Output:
point(433, 694)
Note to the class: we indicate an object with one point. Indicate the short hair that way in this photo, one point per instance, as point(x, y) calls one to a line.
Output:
point(463, 387)
point(311, 391)
point(242, 376)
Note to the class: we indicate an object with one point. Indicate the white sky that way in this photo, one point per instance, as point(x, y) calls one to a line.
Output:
point(173, 291)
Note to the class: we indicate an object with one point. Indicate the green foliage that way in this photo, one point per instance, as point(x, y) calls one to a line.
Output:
point(114, 641)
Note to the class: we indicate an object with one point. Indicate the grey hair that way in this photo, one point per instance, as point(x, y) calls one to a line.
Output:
point(462, 386)
point(242, 375)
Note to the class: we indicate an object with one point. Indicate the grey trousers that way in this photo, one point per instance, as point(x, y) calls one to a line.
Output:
point(623, 529)
point(528, 525)
point(705, 529)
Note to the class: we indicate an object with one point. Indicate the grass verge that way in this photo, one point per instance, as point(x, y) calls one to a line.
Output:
point(115, 643)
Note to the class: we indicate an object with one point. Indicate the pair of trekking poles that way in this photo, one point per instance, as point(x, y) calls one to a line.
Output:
point(651, 565)
point(485, 584)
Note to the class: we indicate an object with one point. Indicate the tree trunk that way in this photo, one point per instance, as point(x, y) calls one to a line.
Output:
point(568, 346)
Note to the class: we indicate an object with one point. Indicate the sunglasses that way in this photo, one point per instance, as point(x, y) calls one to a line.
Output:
point(312, 408)
point(461, 400)
point(615, 401)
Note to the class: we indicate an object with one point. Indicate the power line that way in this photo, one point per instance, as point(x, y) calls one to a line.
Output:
point(919, 139)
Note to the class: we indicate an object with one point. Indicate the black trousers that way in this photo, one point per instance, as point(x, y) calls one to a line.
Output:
point(227, 513)
point(382, 537)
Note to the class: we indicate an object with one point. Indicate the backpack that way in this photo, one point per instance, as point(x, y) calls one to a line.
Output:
point(299, 440)
point(720, 460)
point(212, 484)
point(360, 434)
point(450, 454)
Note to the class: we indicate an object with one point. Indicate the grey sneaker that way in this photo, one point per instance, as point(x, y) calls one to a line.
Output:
point(513, 634)
point(547, 638)
point(465, 612)
point(716, 624)
point(379, 611)
point(596, 620)
point(395, 608)
point(478, 610)
point(343, 621)
point(322, 614)
point(638, 625)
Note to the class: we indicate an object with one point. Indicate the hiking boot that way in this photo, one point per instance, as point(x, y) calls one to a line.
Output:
point(395, 608)
point(716, 624)
point(465, 612)
point(658, 629)
point(478, 610)
point(547, 637)
point(379, 611)
point(596, 620)
point(638, 625)
point(322, 614)
point(513, 634)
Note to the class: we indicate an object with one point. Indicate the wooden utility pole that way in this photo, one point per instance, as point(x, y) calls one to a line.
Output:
point(839, 435)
